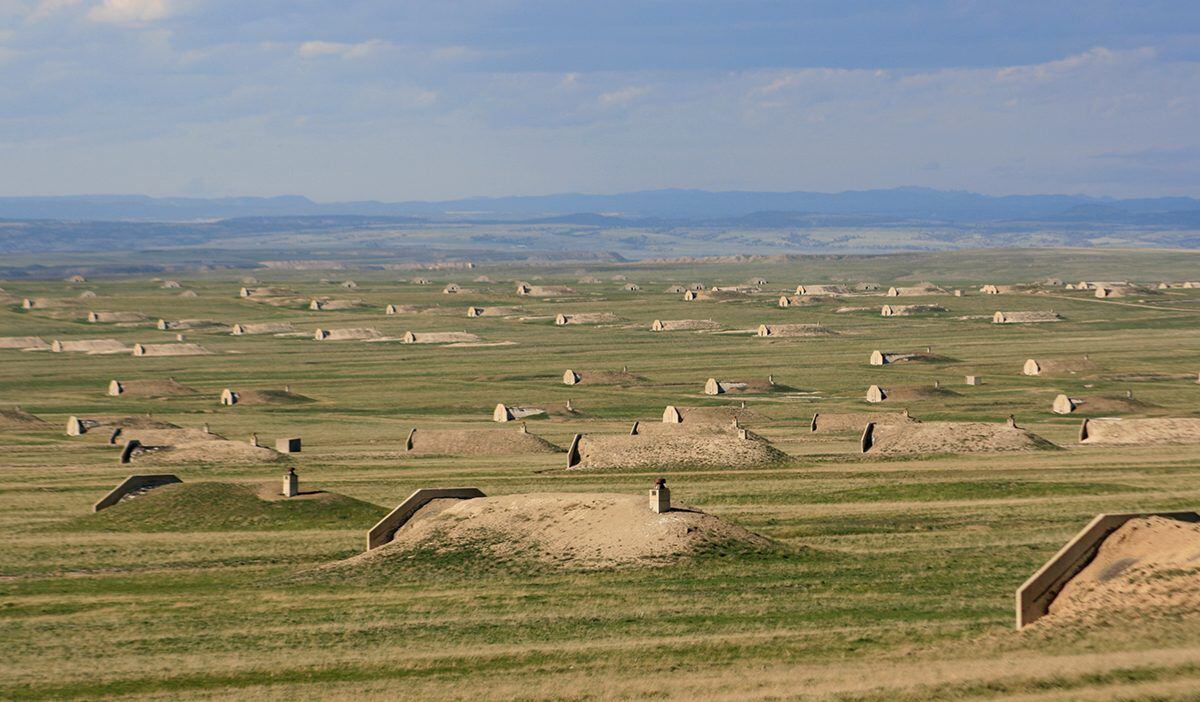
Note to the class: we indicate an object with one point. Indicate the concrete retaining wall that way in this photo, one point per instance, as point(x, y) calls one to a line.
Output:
point(134, 483)
point(1036, 594)
point(385, 529)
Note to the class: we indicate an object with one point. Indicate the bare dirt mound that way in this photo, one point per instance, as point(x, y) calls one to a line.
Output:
point(477, 442)
point(115, 317)
point(1150, 567)
point(17, 419)
point(673, 450)
point(170, 350)
point(793, 331)
point(1109, 404)
point(23, 342)
point(125, 423)
point(152, 388)
point(175, 446)
point(272, 397)
point(608, 377)
point(744, 387)
point(89, 346)
point(439, 338)
point(348, 334)
point(954, 437)
point(1136, 432)
point(193, 324)
point(1059, 366)
point(578, 531)
point(212, 506)
point(835, 422)
point(262, 328)
point(587, 318)
point(706, 418)
point(670, 325)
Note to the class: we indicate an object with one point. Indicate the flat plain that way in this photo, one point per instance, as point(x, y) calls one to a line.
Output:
point(893, 578)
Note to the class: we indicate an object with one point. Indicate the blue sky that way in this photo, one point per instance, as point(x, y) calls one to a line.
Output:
point(395, 100)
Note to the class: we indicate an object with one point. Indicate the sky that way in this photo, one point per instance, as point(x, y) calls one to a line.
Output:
point(414, 99)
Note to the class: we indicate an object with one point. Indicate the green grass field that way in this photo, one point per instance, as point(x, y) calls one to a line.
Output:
point(894, 578)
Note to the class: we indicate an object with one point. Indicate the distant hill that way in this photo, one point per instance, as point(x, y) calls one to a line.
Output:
point(612, 210)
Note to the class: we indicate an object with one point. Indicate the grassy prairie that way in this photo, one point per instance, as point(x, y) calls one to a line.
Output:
point(894, 579)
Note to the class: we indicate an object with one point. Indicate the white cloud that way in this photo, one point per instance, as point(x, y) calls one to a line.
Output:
point(130, 12)
point(1099, 56)
point(624, 96)
point(319, 49)
point(48, 8)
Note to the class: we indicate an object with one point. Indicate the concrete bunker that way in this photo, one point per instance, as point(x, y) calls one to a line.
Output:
point(133, 486)
point(385, 529)
point(1035, 595)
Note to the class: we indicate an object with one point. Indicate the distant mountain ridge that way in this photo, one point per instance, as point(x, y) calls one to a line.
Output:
point(600, 210)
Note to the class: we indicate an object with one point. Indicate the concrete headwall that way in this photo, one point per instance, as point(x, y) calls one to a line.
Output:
point(134, 483)
point(1036, 594)
point(385, 529)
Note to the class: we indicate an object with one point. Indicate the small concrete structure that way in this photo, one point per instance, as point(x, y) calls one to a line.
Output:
point(139, 350)
point(291, 483)
point(1064, 405)
point(115, 388)
point(671, 415)
point(1033, 598)
point(1031, 367)
point(501, 413)
point(570, 377)
point(127, 452)
point(229, 397)
point(877, 358)
point(320, 335)
point(561, 319)
point(573, 457)
point(385, 529)
point(865, 442)
point(162, 325)
point(474, 312)
point(713, 387)
point(75, 427)
point(876, 394)
point(131, 485)
point(288, 445)
point(316, 305)
point(973, 380)
point(660, 497)
point(689, 296)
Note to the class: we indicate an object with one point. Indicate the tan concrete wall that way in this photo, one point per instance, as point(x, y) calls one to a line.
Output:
point(132, 484)
point(385, 529)
point(1033, 598)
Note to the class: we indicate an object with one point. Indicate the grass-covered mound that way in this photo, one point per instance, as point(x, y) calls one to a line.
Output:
point(272, 397)
point(678, 449)
point(212, 506)
point(17, 419)
point(954, 437)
